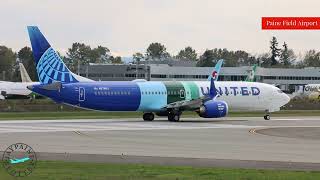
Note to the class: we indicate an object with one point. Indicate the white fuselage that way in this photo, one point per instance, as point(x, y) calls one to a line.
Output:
point(241, 96)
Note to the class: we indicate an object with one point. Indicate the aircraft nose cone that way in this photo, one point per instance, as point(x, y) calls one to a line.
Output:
point(285, 99)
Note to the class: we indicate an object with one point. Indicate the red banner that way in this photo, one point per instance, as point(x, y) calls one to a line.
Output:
point(290, 23)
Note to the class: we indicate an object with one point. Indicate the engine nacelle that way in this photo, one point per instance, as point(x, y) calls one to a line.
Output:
point(213, 109)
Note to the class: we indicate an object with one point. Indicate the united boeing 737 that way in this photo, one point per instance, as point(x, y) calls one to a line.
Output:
point(210, 99)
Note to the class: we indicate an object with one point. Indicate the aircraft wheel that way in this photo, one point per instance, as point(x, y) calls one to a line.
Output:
point(174, 117)
point(148, 116)
point(267, 117)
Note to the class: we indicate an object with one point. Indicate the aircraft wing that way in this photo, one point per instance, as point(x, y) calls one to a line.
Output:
point(195, 103)
point(187, 104)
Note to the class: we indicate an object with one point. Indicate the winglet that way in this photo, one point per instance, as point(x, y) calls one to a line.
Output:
point(216, 71)
point(213, 90)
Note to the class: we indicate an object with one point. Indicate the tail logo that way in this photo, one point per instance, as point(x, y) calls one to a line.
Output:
point(51, 68)
point(214, 75)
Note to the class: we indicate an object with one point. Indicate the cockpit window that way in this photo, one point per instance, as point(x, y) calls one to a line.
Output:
point(279, 91)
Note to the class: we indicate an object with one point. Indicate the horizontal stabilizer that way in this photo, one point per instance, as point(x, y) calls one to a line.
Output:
point(52, 87)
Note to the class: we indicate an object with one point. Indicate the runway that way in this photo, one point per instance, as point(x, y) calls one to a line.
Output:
point(247, 142)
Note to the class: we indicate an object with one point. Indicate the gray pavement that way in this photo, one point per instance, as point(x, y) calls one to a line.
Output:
point(286, 142)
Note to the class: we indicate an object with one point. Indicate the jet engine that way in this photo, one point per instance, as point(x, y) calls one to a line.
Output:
point(213, 109)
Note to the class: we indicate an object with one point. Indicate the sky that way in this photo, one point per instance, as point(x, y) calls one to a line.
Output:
point(129, 26)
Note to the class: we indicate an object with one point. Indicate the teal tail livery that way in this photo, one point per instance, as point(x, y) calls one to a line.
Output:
point(50, 67)
point(252, 74)
point(210, 99)
point(216, 71)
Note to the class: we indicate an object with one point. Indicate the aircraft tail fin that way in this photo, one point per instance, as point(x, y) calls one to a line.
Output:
point(216, 71)
point(251, 74)
point(50, 67)
point(24, 74)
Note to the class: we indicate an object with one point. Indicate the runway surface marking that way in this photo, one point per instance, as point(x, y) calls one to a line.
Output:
point(40, 126)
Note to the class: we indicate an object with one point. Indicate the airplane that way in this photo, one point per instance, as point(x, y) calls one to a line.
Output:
point(11, 89)
point(210, 99)
point(16, 161)
point(251, 74)
point(309, 91)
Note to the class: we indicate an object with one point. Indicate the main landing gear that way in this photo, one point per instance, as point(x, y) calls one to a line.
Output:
point(267, 116)
point(148, 116)
point(174, 116)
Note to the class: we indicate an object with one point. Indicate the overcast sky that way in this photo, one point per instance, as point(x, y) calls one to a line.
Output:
point(128, 26)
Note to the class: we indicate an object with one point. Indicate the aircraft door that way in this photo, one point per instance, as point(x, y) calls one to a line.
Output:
point(182, 95)
point(82, 94)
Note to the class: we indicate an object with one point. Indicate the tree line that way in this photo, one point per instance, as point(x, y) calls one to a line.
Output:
point(279, 56)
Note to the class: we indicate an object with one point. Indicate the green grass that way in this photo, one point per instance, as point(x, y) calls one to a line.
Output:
point(104, 115)
point(74, 170)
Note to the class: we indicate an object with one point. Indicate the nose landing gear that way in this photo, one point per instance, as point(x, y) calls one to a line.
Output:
point(267, 116)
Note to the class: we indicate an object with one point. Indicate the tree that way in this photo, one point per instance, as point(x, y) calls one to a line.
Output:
point(157, 51)
point(137, 57)
point(26, 58)
point(7, 60)
point(275, 51)
point(78, 54)
point(116, 60)
point(312, 58)
point(100, 55)
point(187, 54)
point(264, 60)
point(287, 56)
point(206, 59)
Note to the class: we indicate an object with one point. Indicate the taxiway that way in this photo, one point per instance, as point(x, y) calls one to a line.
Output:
point(248, 142)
